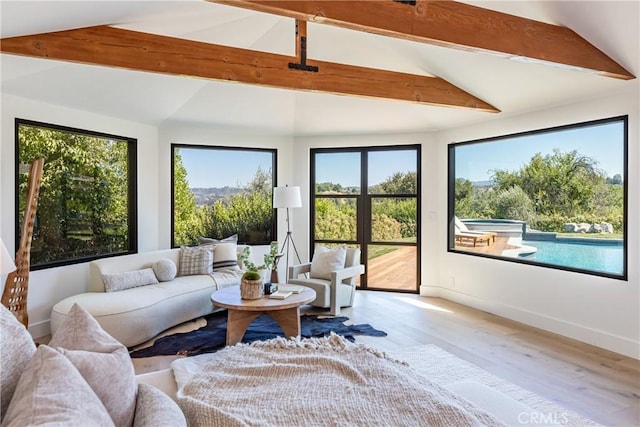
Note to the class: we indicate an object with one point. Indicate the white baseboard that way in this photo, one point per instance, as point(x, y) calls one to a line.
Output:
point(40, 329)
point(429, 291)
point(591, 336)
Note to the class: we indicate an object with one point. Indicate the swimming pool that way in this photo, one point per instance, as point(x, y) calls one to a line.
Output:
point(594, 255)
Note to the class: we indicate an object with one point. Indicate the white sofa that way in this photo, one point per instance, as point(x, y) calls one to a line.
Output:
point(135, 315)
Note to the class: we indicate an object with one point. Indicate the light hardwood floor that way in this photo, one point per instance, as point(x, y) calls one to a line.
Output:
point(596, 383)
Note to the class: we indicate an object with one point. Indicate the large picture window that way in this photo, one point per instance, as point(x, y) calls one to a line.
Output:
point(87, 203)
point(553, 197)
point(222, 191)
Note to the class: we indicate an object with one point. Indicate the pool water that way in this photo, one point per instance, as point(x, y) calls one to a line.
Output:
point(602, 257)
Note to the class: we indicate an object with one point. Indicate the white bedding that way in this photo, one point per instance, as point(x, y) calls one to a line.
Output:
point(314, 382)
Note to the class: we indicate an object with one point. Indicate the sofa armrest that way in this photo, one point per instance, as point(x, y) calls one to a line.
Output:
point(154, 408)
point(296, 270)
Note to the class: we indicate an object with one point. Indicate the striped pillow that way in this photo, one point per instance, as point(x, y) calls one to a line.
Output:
point(225, 256)
point(196, 260)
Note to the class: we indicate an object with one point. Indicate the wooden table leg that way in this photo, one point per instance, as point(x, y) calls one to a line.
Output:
point(289, 320)
point(237, 324)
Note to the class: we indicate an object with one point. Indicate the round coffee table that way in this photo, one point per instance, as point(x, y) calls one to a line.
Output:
point(241, 312)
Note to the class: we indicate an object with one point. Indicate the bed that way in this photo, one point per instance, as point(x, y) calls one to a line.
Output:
point(314, 382)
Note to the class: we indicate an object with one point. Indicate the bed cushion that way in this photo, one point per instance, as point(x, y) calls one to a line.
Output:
point(95, 354)
point(16, 349)
point(51, 391)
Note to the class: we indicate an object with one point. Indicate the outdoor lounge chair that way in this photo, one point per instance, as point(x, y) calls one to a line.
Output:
point(463, 231)
point(475, 238)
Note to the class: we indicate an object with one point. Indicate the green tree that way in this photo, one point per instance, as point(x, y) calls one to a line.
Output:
point(329, 188)
point(615, 179)
point(335, 219)
point(398, 183)
point(463, 189)
point(261, 183)
point(187, 224)
point(385, 228)
point(83, 203)
point(513, 203)
point(559, 183)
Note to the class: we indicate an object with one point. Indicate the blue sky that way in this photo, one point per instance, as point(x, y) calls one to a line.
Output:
point(344, 168)
point(207, 168)
point(603, 143)
point(219, 168)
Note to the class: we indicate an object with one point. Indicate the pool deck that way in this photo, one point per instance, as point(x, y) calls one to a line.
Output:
point(498, 247)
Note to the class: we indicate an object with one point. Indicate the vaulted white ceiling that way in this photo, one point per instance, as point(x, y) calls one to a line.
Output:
point(513, 87)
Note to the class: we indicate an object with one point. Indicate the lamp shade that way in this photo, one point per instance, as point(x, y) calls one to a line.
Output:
point(6, 262)
point(287, 197)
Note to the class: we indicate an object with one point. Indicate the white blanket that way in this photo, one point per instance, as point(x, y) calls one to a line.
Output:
point(314, 382)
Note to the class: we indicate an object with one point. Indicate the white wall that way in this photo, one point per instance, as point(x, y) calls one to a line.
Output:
point(46, 287)
point(597, 310)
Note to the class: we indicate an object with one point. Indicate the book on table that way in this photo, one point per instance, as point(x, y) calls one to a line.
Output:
point(291, 288)
point(280, 294)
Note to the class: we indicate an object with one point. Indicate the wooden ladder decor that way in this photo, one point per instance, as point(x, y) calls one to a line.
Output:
point(16, 288)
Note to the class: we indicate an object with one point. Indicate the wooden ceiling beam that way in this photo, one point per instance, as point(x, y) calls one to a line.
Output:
point(454, 25)
point(114, 47)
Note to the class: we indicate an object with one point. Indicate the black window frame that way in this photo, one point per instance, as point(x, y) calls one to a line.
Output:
point(132, 179)
point(274, 177)
point(363, 207)
point(624, 119)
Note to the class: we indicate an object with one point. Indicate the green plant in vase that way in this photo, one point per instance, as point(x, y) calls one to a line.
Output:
point(251, 275)
point(270, 262)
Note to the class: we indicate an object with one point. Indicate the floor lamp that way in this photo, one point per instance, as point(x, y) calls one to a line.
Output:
point(287, 197)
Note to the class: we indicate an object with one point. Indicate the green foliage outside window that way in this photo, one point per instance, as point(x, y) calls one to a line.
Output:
point(84, 204)
point(335, 219)
point(392, 219)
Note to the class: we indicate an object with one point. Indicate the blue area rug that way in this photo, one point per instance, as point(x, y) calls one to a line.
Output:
point(212, 337)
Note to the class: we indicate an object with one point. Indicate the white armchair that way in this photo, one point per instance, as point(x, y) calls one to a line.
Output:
point(337, 292)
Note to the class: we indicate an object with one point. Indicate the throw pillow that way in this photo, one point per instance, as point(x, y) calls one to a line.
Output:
point(103, 362)
point(326, 260)
point(51, 391)
point(129, 279)
point(225, 256)
point(208, 240)
point(155, 408)
point(196, 260)
point(165, 270)
point(16, 349)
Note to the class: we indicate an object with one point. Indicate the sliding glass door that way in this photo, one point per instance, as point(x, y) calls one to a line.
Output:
point(370, 198)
